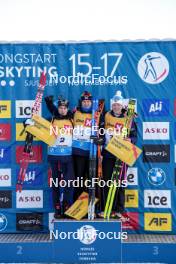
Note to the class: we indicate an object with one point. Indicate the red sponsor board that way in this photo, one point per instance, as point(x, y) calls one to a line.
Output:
point(36, 157)
point(5, 132)
point(131, 221)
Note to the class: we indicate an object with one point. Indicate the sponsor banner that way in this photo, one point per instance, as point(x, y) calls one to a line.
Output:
point(29, 221)
point(33, 177)
point(131, 221)
point(132, 176)
point(157, 221)
point(156, 153)
point(5, 132)
point(5, 199)
point(131, 198)
point(157, 199)
point(156, 130)
point(29, 199)
point(3, 222)
point(5, 155)
point(24, 108)
point(5, 178)
point(35, 158)
point(156, 176)
point(153, 67)
point(21, 133)
point(5, 109)
point(155, 107)
point(91, 242)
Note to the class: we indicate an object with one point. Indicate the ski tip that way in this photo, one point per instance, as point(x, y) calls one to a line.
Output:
point(43, 78)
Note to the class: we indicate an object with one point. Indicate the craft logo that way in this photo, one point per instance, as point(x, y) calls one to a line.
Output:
point(5, 132)
point(5, 177)
point(5, 155)
point(5, 109)
point(29, 221)
point(131, 198)
point(155, 107)
point(157, 222)
point(153, 68)
point(130, 221)
point(3, 222)
point(156, 176)
point(157, 199)
point(24, 108)
point(155, 130)
point(5, 199)
point(156, 153)
point(36, 156)
point(29, 199)
point(87, 234)
point(132, 176)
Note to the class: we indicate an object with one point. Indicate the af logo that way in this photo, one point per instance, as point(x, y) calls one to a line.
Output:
point(156, 176)
point(153, 68)
point(158, 221)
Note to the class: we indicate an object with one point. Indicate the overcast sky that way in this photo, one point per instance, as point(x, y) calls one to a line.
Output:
point(51, 20)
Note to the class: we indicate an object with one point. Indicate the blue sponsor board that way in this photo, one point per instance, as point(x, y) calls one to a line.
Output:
point(91, 242)
point(5, 155)
point(155, 107)
point(33, 177)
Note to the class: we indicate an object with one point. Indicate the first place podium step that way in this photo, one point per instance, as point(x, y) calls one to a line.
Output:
point(87, 242)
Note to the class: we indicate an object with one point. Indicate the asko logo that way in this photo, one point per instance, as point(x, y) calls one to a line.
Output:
point(156, 153)
point(155, 107)
point(157, 199)
point(153, 68)
point(5, 132)
point(5, 177)
point(156, 130)
point(132, 176)
point(157, 222)
point(29, 199)
point(24, 108)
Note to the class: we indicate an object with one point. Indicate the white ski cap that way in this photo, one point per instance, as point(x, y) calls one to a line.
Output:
point(118, 98)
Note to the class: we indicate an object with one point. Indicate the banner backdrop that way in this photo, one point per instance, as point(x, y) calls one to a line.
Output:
point(142, 70)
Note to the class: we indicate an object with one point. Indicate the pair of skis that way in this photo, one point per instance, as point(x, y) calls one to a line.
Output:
point(120, 166)
point(27, 152)
point(97, 109)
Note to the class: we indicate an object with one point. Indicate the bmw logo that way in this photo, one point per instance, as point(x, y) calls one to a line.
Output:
point(3, 222)
point(156, 176)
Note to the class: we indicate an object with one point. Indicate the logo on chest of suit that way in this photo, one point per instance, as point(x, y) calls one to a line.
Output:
point(87, 122)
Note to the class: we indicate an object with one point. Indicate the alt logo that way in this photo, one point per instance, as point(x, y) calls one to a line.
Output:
point(153, 68)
